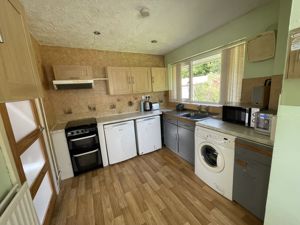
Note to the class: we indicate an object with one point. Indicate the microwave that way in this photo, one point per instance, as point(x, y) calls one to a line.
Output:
point(263, 122)
point(240, 115)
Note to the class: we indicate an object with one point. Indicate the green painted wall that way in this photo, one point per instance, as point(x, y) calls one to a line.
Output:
point(5, 182)
point(291, 87)
point(247, 26)
point(295, 18)
point(283, 203)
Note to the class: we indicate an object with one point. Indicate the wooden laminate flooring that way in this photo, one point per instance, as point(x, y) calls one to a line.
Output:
point(157, 188)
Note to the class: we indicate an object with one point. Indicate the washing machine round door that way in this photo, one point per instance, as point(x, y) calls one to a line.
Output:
point(212, 158)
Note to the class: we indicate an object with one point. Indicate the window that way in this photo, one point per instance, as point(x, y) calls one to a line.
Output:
point(206, 74)
point(214, 78)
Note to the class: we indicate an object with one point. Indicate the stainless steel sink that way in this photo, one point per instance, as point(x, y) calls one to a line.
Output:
point(195, 115)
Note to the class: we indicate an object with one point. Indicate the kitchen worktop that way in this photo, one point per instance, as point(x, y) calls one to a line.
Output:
point(128, 116)
point(235, 130)
point(115, 118)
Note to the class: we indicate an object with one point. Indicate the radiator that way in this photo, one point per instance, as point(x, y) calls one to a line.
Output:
point(20, 210)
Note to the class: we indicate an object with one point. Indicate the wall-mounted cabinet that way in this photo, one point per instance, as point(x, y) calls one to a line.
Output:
point(293, 69)
point(119, 80)
point(133, 80)
point(18, 70)
point(159, 79)
point(72, 72)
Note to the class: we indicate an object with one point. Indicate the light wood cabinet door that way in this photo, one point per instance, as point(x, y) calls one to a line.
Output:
point(294, 65)
point(141, 79)
point(159, 79)
point(119, 81)
point(72, 72)
point(19, 77)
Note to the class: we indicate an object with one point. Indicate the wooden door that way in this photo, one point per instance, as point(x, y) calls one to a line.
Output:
point(141, 79)
point(159, 79)
point(119, 81)
point(25, 136)
point(17, 66)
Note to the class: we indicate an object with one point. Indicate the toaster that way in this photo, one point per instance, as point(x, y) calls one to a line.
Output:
point(155, 106)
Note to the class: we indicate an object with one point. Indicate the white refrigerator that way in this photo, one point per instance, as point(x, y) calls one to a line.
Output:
point(148, 133)
point(120, 141)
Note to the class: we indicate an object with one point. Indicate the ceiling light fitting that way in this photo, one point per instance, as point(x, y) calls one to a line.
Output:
point(144, 12)
point(96, 32)
point(153, 41)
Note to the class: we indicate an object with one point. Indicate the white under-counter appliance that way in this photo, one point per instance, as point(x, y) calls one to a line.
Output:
point(120, 141)
point(214, 159)
point(148, 133)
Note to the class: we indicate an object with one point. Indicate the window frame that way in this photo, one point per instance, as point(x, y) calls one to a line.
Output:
point(190, 63)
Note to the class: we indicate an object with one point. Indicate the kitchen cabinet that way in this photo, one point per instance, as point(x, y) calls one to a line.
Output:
point(125, 146)
point(62, 153)
point(294, 64)
point(72, 72)
point(293, 69)
point(251, 176)
point(18, 69)
point(170, 134)
point(159, 79)
point(129, 80)
point(179, 137)
point(140, 79)
point(186, 141)
point(119, 80)
point(133, 80)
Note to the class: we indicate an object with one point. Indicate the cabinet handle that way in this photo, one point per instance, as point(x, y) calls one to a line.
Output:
point(1, 38)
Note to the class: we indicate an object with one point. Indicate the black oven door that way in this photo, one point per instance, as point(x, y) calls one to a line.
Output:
point(84, 142)
point(86, 161)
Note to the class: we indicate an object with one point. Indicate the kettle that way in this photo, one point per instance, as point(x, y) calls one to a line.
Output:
point(147, 104)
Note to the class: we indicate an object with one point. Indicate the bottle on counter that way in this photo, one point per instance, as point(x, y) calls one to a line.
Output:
point(142, 104)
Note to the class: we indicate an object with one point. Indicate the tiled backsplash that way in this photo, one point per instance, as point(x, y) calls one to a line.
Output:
point(70, 105)
point(66, 105)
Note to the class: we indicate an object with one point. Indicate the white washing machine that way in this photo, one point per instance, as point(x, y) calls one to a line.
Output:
point(214, 159)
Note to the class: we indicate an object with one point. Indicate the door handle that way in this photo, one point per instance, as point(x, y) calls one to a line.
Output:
point(86, 153)
point(82, 138)
point(119, 124)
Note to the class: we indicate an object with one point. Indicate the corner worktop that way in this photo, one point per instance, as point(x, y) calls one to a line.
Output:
point(236, 130)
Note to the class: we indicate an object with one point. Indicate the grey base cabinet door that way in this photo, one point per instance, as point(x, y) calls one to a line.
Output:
point(186, 144)
point(170, 136)
point(251, 180)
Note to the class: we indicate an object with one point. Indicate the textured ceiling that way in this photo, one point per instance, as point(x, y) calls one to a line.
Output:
point(70, 23)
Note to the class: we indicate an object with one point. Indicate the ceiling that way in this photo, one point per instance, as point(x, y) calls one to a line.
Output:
point(71, 23)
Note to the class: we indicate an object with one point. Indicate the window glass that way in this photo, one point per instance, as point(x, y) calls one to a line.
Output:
point(185, 81)
point(42, 198)
point(33, 161)
point(207, 79)
point(22, 118)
